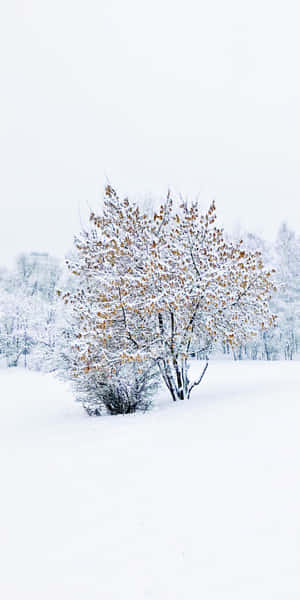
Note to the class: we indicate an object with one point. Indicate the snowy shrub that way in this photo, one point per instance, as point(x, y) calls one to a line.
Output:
point(129, 391)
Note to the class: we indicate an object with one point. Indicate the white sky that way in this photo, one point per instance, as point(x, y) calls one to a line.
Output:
point(201, 96)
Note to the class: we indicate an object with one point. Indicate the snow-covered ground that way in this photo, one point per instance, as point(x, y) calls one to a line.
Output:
point(199, 500)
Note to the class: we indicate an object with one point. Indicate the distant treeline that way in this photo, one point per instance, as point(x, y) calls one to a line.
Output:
point(34, 328)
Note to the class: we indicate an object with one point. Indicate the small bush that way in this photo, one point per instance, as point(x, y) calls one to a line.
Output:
point(128, 391)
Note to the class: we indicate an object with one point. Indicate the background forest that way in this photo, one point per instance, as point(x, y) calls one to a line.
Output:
point(33, 330)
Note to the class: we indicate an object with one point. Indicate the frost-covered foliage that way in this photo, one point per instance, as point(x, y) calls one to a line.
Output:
point(162, 288)
point(28, 315)
point(283, 341)
point(287, 302)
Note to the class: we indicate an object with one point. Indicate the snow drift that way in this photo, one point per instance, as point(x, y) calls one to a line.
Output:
point(198, 499)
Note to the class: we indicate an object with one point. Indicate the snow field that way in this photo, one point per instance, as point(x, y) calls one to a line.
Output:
point(193, 500)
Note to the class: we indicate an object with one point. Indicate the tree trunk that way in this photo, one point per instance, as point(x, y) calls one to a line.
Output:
point(175, 376)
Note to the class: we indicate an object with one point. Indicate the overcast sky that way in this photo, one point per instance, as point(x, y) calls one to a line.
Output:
point(200, 96)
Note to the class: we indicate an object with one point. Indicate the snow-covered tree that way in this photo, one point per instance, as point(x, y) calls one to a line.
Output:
point(156, 289)
point(265, 345)
point(28, 315)
point(287, 299)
